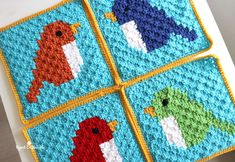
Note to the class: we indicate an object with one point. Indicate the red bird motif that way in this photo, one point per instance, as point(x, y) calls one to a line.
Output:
point(94, 142)
point(58, 59)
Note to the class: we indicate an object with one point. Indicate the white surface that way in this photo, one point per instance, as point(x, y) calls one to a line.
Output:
point(17, 9)
point(21, 8)
point(172, 132)
point(73, 57)
point(223, 11)
point(133, 36)
point(110, 151)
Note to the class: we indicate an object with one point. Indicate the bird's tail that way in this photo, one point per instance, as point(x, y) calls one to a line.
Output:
point(185, 32)
point(34, 90)
point(224, 126)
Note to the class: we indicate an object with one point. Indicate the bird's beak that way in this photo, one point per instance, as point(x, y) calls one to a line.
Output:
point(74, 27)
point(110, 15)
point(150, 110)
point(112, 125)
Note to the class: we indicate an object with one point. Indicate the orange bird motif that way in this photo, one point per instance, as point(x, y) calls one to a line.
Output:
point(58, 59)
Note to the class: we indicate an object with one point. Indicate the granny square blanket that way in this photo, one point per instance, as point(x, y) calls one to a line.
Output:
point(118, 80)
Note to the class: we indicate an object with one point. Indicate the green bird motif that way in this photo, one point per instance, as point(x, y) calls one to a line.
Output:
point(185, 122)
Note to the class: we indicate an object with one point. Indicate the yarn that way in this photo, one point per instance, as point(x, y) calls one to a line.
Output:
point(194, 82)
point(186, 113)
point(58, 60)
point(154, 25)
point(92, 142)
point(20, 48)
point(53, 63)
point(54, 138)
point(143, 44)
point(199, 83)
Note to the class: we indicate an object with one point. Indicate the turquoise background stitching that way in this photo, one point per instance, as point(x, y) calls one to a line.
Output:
point(130, 62)
point(19, 47)
point(55, 135)
point(203, 83)
point(200, 79)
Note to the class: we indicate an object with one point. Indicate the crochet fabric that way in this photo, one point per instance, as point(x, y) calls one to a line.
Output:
point(193, 102)
point(204, 109)
point(55, 136)
point(87, 76)
point(39, 67)
point(149, 33)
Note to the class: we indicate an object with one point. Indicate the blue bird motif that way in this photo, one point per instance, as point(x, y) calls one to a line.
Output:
point(146, 28)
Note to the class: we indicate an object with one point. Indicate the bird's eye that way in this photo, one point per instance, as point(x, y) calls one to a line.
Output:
point(126, 9)
point(58, 33)
point(165, 102)
point(95, 130)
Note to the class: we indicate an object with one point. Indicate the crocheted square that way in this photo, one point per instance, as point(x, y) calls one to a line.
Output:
point(83, 99)
point(145, 34)
point(53, 58)
point(97, 131)
point(186, 113)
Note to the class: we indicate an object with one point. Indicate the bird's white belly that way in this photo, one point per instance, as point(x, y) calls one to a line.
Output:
point(133, 36)
point(73, 57)
point(173, 132)
point(110, 151)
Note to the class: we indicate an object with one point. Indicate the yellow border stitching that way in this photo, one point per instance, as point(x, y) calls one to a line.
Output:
point(202, 26)
point(101, 41)
point(3, 60)
point(128, 110)
point(182, 62)
point(89, 96)
point(73, 104)
point(32, 149)
point(34, 15)
point(218, 154)
point(96, 94)
point(130, 114)
point(77, 102)
point(225, 80)
point(103, 46)
point(160, 70)
point(233, 99)
point(13, 88)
